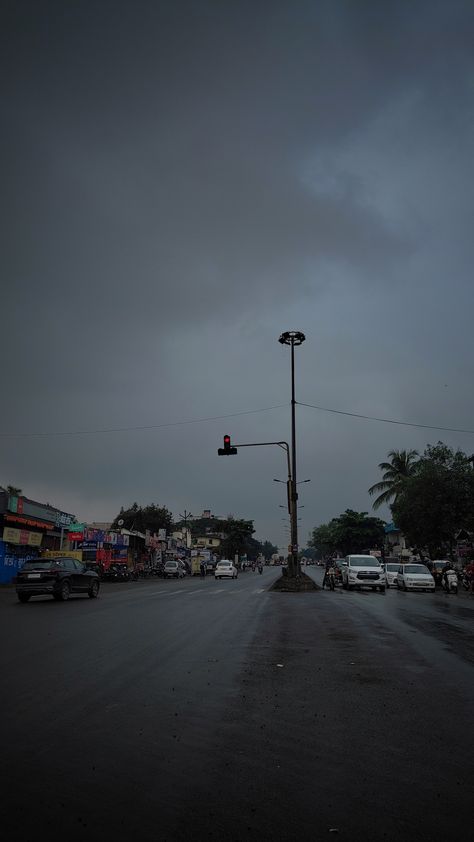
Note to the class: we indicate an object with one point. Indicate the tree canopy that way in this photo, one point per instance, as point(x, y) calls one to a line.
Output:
point(351, 532)
point(437, 501)
point(403, 464)
point(141, 518)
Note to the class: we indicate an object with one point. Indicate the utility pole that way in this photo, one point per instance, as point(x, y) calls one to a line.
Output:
point(293, 338)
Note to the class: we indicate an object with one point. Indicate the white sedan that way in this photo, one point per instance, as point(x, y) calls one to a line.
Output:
point(391, 570)
point(414, 577)
point(225, 568)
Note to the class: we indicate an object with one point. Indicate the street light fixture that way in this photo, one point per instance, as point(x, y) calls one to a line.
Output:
point(298, 483)
point(293, 338)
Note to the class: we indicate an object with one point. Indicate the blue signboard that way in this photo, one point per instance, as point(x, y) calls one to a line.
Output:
point(10, 564)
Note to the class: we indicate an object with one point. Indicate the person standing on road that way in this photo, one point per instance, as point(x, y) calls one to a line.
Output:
point(326, 571)
point(202, 568)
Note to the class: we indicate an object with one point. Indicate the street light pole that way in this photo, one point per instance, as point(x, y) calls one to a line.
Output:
point(293, 338)
point(186, 516)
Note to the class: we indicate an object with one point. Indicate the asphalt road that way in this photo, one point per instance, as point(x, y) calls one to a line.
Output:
point(211, 710)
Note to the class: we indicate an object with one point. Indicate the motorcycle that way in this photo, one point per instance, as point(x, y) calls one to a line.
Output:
point(465, 581)
point(260, 568)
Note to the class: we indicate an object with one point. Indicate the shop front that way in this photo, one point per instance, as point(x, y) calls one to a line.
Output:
point(27, 529)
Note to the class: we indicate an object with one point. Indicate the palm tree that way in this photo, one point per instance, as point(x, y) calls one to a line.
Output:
point(403, 464)
point(13, 490)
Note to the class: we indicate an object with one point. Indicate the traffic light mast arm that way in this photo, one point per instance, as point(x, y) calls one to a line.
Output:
point(284, 446)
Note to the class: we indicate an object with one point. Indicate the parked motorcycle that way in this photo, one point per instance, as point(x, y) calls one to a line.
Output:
point(465, 581)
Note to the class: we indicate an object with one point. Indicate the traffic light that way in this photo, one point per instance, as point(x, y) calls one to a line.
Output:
point(227, 450)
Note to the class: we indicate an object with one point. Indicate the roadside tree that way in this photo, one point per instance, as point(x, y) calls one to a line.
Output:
point(438, 501)
point(403, 464)
point(141, 518)
point(351, 532)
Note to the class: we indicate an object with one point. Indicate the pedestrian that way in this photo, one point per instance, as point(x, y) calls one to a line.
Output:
point(326, 572)
point(202, 568)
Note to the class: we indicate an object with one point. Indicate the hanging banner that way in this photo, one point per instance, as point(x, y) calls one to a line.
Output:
point(21, 536)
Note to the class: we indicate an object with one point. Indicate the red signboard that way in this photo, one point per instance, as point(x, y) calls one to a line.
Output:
point(42, 524)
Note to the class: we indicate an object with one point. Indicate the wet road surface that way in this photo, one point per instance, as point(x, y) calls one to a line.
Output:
point(219, 710)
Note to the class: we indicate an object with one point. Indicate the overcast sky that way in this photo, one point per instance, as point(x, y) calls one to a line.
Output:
point(182, 182)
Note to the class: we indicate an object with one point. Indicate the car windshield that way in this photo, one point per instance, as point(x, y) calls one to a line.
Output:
point(391, 567)
point(415, 568)
point(364, 561)
point(171, 564)
point(225, 563)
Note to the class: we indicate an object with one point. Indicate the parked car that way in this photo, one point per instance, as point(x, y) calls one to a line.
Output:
point(363, 571)
point(57, 577)
point(391, 570)
point(225, 568)
point(174, 569)
point(415, 577)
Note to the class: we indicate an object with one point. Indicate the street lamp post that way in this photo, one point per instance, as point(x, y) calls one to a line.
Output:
point(186, 516)
point(293, 338)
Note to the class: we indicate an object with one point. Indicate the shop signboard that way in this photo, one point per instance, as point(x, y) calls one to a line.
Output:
point(11, 563)
point(21, 536)
point(77, 554)
point(23, 506)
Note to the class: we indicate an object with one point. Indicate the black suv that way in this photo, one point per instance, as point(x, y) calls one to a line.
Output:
point(58, 577)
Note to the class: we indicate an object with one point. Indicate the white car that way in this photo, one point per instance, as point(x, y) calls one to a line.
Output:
point(174, 569)
point(363, 571)
point(225, 568)
point(391, 570)
point(414, 577)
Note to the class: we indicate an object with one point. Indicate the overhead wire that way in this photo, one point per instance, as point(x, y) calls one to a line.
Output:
point(144, 427)
point(385, 420)
point(137, 428)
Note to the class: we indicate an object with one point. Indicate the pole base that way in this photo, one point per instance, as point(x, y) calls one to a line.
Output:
point(295, 584)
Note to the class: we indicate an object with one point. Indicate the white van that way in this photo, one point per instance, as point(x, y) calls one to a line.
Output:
point(363, 571)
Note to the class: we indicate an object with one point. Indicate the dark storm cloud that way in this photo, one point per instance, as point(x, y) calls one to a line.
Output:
point(185, 179)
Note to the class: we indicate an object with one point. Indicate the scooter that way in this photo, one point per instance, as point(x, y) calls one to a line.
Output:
point(450, 583)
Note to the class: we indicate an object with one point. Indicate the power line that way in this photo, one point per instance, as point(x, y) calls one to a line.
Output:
point(386, 420)
point(145, 427)
point(106, 430)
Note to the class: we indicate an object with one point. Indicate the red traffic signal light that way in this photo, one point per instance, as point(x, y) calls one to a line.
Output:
point(227, 450)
